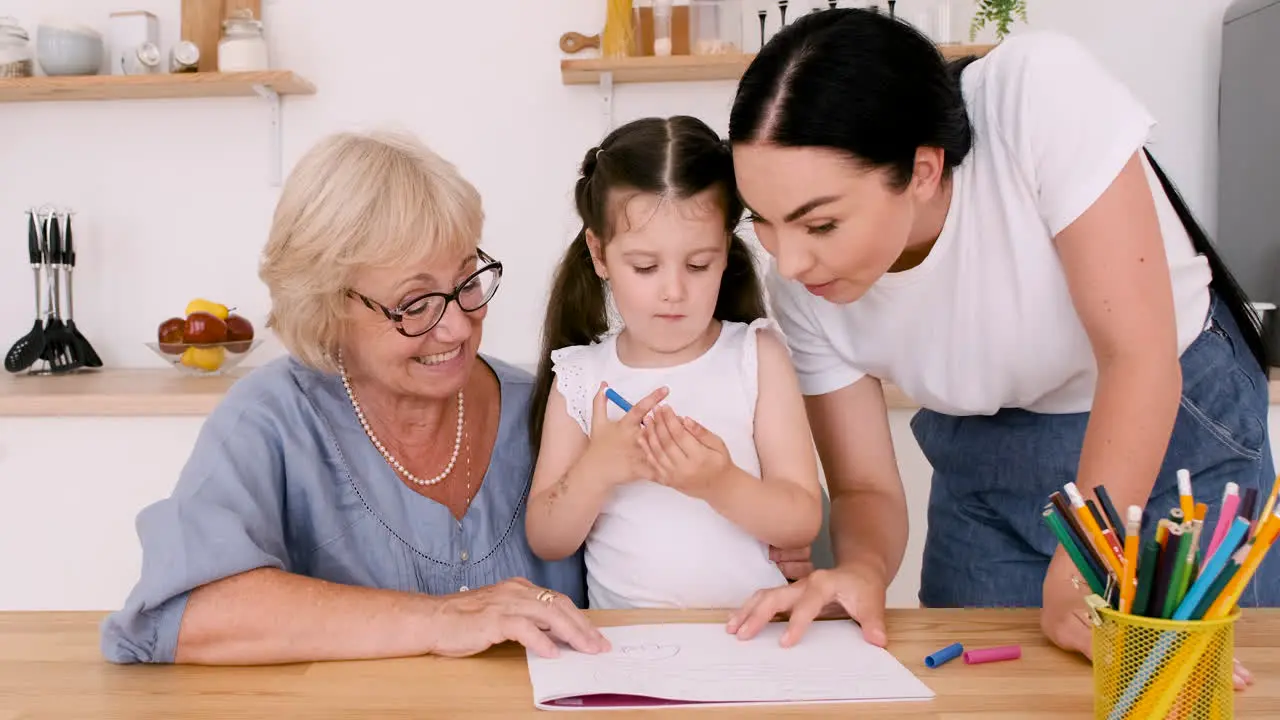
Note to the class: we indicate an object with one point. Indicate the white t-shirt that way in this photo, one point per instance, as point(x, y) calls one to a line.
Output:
point(652, 546)
point(986, 321)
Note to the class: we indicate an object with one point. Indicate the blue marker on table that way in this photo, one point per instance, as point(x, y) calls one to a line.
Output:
point(946, 654)
point(617, 399)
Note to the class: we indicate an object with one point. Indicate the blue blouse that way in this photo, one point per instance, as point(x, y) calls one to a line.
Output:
point(282, 475)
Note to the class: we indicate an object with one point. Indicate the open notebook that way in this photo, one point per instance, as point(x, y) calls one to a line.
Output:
point(701, 664)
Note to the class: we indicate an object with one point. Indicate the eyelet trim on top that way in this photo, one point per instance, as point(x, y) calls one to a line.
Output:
point(571, 380)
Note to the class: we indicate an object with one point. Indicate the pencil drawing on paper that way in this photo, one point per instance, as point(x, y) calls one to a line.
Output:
point(649, 651)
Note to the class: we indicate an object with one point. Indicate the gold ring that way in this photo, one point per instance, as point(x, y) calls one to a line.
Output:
point(547, 596)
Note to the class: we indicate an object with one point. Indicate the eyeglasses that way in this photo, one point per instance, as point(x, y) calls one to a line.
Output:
point(417, 316)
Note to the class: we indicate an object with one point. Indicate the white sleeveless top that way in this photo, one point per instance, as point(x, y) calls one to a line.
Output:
point(651, 546)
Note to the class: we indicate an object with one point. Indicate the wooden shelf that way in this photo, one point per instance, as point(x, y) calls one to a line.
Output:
point(150, 87)
point(113, 393)
point(687, 68)
point(163, 392)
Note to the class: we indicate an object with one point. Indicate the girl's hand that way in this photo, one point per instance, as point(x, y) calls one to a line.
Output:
point(616, 450)
point(684, 455)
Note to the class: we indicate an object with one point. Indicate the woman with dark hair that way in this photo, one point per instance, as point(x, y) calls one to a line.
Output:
point(991, 236)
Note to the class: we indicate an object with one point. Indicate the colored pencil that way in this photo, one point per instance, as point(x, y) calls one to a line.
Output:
point(1071, 545)
point(1147, 559)
point(1129, 579)
point(1113, 517)
point(1230, 595)
point(1187, 605)
point(1109, 557)
point(1178, 573)
point(1247, 502)
point(1070, 519)
point(1271, 499)
point(1165, 565)
point(1186, 500)
point(1230, 501)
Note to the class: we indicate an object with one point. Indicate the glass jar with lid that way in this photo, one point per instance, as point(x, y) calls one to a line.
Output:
point(16, 55)
point(715, 27)
point(243, 47)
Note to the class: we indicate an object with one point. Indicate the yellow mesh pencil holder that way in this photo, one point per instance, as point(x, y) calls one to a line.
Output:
point(1147, 668)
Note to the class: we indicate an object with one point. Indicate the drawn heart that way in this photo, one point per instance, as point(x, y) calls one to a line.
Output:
point(649, 651)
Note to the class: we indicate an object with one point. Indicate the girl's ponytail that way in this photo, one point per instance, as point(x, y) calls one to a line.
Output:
point(577, 314)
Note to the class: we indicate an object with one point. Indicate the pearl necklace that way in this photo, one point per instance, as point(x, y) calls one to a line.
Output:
point(457, 440)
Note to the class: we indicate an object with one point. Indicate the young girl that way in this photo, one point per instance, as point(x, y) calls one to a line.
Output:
point(676, 502)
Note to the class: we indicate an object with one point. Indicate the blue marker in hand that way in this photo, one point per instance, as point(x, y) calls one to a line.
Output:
point(617, 399)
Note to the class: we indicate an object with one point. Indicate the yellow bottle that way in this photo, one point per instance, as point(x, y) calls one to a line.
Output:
point(218, 310)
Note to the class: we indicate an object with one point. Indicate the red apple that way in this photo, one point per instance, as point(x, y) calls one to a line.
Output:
point(239, 333)
point(170, 335)
point(204, 328)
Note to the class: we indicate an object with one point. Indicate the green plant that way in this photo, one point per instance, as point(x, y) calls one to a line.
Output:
point(1000, 13)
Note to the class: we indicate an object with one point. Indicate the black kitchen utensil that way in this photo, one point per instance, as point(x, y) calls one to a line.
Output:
point(891, 10)
point(82, 351)
point(782, 8)
point(763, 14)
point(27, 350)
point(831, 4)
point(58, 340)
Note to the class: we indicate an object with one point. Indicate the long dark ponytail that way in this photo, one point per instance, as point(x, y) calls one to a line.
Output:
point(680, 157)
point(1224, 283)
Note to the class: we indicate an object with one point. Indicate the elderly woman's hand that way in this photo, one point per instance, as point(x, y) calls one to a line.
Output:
point(515, 609)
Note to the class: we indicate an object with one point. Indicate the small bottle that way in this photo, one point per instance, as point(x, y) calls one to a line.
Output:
point(662, 27)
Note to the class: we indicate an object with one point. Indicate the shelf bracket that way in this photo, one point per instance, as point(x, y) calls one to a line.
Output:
point(275, 165)
point(606, 96)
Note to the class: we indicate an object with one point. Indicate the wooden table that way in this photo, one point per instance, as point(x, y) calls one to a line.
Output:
point(50, 667)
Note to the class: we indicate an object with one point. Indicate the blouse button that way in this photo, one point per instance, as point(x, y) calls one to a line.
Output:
point(464, 556)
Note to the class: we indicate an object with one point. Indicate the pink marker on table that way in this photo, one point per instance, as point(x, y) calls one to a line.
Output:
point(994, 654)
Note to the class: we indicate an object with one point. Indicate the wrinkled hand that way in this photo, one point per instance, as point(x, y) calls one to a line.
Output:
point(850, 590)
point(684, 455)
point(795, 563)
point(1064, 618)
point(617, 443)
point(470, 622)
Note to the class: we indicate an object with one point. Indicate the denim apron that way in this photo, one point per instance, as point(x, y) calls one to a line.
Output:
point(987, 543)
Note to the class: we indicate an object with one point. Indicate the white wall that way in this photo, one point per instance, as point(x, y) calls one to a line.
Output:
point(173, 202)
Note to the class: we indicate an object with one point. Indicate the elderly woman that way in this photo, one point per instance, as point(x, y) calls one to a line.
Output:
point(363, 497)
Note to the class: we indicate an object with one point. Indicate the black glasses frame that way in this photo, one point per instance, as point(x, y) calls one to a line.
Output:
point(397, 315)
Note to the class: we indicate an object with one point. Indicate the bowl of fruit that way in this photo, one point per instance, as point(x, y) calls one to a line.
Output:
point(210, 339)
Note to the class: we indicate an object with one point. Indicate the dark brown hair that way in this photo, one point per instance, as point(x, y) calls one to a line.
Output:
point(679, 157)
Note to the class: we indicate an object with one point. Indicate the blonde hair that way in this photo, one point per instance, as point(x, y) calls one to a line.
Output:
point(357, 200)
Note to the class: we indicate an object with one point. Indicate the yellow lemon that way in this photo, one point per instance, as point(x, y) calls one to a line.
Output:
point(208, 359)
point(201, 305)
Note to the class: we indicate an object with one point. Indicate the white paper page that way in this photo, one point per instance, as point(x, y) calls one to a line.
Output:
point(701, 663)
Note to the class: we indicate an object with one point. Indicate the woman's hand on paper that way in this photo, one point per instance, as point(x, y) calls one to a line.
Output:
point(684, 455)
point(472, 621)
point(854, 591)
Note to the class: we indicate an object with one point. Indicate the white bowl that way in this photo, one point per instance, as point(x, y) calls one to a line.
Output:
point(66, 51)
